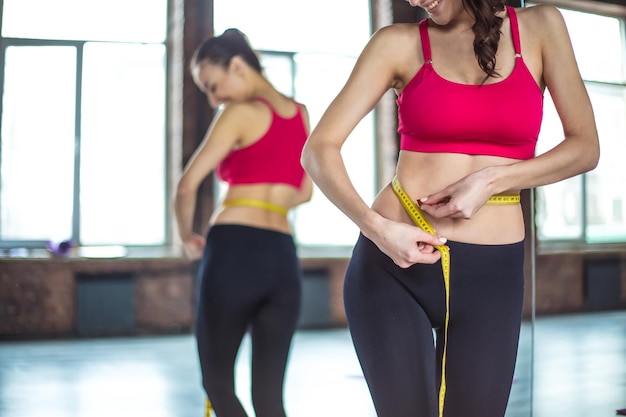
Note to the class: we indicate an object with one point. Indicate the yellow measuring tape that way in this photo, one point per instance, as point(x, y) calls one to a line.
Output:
point(503, 199)
point(250, 202)
point(209, 408)
point(418, 218)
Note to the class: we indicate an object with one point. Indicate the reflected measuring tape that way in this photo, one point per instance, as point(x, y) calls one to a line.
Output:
point(250, 202)
point(418, 218)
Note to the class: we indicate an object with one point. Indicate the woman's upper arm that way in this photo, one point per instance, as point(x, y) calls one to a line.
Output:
point(561, 75)
point(221, 137)
point(373, 74)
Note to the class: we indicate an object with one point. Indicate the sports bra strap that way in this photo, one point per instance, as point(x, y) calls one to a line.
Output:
point(425, 41)
point(514, 29)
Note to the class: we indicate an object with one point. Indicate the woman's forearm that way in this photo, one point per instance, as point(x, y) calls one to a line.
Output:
point(184, 209)
point(570, 158)
point(323, 162)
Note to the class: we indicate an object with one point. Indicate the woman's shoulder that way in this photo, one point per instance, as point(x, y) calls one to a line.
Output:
point(541, 13)
point(541, 19)
point(240, 109)
point(394, 45)
point(543, 30)
point(398, 33)
point(231, 114)
point(399, 28)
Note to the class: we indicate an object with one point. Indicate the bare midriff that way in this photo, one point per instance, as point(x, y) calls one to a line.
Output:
point(278, 195)
point(422, 174)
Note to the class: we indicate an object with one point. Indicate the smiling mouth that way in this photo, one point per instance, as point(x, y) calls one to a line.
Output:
point(431, 5)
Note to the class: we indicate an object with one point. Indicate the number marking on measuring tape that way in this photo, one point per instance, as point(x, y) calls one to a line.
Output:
point(503, 199)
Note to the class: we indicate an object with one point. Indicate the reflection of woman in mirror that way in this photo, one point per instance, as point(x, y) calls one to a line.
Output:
point(250, 277)
point(469, 83)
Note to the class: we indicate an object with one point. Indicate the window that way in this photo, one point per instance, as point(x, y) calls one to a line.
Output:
point(590, 208)
point(309, 57)
point(82, 122)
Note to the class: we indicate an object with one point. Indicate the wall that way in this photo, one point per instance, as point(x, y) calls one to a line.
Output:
point(577, 282)
point(39, 296)
point(42, 296)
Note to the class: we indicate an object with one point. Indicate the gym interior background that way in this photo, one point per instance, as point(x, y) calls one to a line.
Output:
point(126, 276)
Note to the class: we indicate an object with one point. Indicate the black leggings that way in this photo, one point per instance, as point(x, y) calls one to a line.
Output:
point(392, 312)
point(250, 279)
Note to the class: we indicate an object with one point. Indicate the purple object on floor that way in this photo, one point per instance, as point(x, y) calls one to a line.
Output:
point(621, 412)
point(59, 249)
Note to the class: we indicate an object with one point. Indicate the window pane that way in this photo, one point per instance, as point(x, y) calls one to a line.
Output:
point(559, 210)
point(588, 32)
point(319, 78)
point(112, 20)
point(38, 131)
point(606, 194)
point(559, 206)
point(318, 26)
point(123, 145)
point(278, 68)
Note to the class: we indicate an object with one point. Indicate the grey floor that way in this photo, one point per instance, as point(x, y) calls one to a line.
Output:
point(579, 371)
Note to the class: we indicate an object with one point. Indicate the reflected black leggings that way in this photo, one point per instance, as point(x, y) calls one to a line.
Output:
point(250, 279)
point(392, 313)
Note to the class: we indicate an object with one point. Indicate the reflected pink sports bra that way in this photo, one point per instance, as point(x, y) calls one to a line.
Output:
point(500, 119)
point(274, 158)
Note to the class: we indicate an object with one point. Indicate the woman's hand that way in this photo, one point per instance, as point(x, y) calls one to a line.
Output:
point(406, 244)
point(194, 246)
point(460, 200)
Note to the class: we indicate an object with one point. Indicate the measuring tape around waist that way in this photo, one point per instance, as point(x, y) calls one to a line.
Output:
point(418, 218)
point(503, 200)
point(250, 202)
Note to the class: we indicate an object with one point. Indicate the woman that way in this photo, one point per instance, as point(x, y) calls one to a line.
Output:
point(469, 82)
point(250, 274)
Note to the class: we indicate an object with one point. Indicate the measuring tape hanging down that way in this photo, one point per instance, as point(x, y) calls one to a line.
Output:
point(418, 218)
point(208, 409)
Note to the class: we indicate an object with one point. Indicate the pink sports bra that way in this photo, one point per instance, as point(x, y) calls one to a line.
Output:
point(274, 158)
point(500, 119)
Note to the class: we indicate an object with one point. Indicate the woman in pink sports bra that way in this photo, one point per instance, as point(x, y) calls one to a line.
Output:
point(249, 277)
point(441, 247)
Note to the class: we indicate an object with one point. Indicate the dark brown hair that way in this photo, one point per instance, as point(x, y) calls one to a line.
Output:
point(487, 32)
point(221, 49)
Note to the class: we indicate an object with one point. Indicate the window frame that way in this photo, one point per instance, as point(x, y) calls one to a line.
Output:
point(581, 244)
point(168, 174)
point(6, 43)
